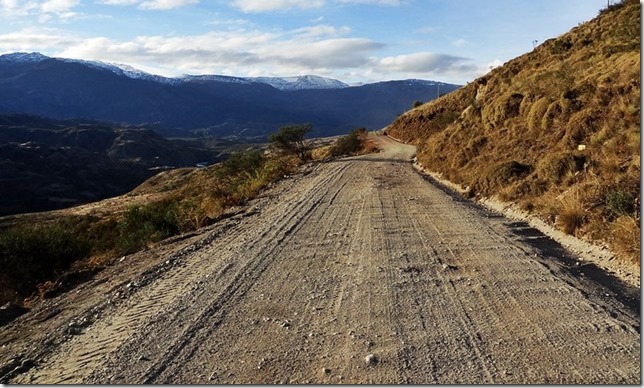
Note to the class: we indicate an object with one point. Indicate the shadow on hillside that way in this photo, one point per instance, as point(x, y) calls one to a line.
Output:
point(602, 285)
point(551, 252)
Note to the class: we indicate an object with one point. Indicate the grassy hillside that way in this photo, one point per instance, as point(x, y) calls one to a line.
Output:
point(556, 130)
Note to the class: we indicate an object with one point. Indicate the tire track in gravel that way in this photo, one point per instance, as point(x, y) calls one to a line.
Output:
point(197, 313)
point(362, 256)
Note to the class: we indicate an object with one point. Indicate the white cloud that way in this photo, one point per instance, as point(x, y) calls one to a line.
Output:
point(43, 10)
point(322, 30)
point(255, 6)
point(320, 50)
point(460, 42)
point(28, 40)
point(165, 4)
point(157, 5)
point(425, 62)
point(241, 50)
point(251, 6)
point(428, 30)
point(118, 2)
point(58, 6)
point(391, 3)
point(228, 22)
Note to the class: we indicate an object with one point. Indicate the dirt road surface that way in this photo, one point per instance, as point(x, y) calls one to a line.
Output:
point(354, 271)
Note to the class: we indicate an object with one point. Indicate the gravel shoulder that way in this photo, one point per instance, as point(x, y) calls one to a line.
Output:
point(353, 271)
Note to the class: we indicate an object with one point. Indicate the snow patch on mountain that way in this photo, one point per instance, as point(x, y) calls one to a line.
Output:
point(23, 57)
point(123, 70)
point(216, 78)
point(302, 82)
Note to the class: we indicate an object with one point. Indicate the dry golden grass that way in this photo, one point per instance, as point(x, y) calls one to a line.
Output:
point(626, 236)
point(565, 116)
point(571, 214)
point(321, 153)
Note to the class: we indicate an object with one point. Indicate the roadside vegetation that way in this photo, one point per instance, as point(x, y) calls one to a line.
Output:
point(556, 131)
point(38, 257)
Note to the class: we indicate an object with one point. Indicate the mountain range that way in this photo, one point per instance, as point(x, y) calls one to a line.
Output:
point(195, 105)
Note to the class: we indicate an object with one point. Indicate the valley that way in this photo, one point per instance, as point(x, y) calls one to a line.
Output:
point(48, 164)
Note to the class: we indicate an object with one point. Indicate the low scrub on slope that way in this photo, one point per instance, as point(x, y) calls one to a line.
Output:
point(41, 258)
point(32, 254)
point(355, 143)
point(556, 130)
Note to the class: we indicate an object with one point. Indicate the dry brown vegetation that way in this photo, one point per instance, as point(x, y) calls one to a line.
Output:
point(556, 131)
point(48, 253)
point(38, 252)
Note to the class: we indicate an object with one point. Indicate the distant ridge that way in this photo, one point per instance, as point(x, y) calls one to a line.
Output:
point(195, 105)
point(281, 83)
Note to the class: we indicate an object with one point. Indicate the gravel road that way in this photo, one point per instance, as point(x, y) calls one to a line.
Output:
point(354, 271)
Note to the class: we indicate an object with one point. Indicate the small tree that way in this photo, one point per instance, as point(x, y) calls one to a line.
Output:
point(417, 103)
point(349, 144)
point(290, 138)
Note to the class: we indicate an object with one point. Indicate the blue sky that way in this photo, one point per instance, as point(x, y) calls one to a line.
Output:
point(355, 41)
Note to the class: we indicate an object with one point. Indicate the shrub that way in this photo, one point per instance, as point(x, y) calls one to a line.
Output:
point(571, 218)
point(149, 223)
point(560, 46)
point(290, 139)
point(620, 203)
point(555, 167)
point(626, 237)
point(244, 163)
point(446, 118)
point(501, 175)
point(30, 254)
point(349, 144)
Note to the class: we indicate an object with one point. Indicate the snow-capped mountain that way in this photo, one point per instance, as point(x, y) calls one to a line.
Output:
point(22, 57)
point(125, 70)
point(282, 83)
point(216, 105)
point(302, 82)
point(215, 78)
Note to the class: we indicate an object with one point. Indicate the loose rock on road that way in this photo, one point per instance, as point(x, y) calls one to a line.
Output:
point(358, 271)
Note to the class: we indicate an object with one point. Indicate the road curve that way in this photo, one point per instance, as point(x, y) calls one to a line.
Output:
point(357, 257)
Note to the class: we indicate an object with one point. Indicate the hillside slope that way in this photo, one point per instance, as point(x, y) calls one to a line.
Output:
point(556, 130)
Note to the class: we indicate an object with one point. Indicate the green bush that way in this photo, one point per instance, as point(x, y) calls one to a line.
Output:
point(290, 139)
point(620, 203)
point(349, 144)
point(141, 225)
point(501, 175)
point(31, 254)
point(244, 163)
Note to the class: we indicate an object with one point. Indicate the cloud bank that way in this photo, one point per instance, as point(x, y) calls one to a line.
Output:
point(233, 46)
